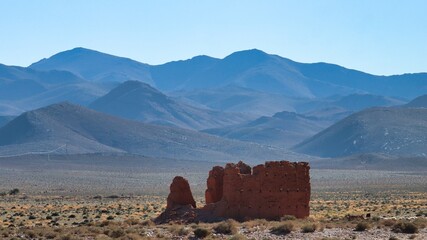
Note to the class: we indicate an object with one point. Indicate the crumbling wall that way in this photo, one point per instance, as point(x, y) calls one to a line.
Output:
point(270, 191)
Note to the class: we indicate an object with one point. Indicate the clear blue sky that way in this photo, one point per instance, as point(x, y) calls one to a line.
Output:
point(376, 36)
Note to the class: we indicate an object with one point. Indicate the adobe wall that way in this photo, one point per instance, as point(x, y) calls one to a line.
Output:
point(269, 191)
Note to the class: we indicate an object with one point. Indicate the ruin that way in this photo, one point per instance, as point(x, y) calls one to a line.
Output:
point(237, 191)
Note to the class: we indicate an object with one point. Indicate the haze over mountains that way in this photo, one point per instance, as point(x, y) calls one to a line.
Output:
point(95, 66)
point(393, 131)
point(283, 129)
point(139, 101)
point(248, 96)
point(78, 130)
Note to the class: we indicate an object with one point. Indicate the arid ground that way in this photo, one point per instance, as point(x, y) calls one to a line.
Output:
point(90, 200)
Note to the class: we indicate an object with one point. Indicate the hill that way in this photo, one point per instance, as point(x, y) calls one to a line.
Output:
point(5, 119)
point(373, 161)
point(283, 129)
point(96, 66)
point(255, 69)
point(392, 131)
point(25, 89)
point(419, 102)
point(72, 129)
point(139, 101)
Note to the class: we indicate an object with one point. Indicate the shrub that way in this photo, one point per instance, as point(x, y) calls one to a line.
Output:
point(309, 228)
point(282, 229)
point(361, 226)
point(405, 227)
point(288, 218)
point(117, 233)
point(388, 222)
point(227, 227)
point(183, 231)
point(14, 191)
point(238, 237)
point(201, 233)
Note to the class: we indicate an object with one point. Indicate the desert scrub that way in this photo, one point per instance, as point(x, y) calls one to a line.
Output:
point(282, 229)
point(405, 227)
point(309, 228)
point(238, 237)
point(288, 218)
point(362, 226)
point(116, 233)
point(201, 232)
point(227, 227)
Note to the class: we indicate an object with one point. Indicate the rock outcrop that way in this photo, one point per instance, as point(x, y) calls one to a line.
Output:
point(180, 194)
point(268, 191)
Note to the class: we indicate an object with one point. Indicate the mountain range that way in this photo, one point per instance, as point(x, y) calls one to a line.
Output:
point(249, 104)
point(139, 101)
point(392, 131)
point(73, 129)
point(283, 129)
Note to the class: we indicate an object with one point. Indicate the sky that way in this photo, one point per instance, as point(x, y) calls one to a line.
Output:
point(381, 37)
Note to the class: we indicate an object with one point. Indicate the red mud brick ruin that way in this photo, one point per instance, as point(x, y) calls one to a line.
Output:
point(268, 191)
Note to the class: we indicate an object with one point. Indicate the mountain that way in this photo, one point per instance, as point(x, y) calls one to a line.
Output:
point(283, 129)
point(238, 99)
point(24, 89)
point(70, 129)
point(139, 101)
point(96, 66)
point(419, 102)
point(173, 75)
point(373, 161)
point(392, 131)
point(5, 119)
point(357, 102)
point(252, 69)
point(257, 70)
point(335, 108)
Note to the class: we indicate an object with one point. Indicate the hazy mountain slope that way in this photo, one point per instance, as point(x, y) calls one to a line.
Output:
point(83, 94)
point(139, 101)
point(25, 89)
point(239, 99)
point(96, 66)
point(174, 75)
point(405, 85)
point(373, 161)
point(256, 70)
point(394, 131)
point(357, 102)
point(5, 119)
point(264, 72)
point(7, 109)
point(284, 129)
point(86, 131)
point(252, 69)
point(336, 108)
point(419, 102)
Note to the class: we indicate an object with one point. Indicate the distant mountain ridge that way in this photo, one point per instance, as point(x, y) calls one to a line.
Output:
point(283, 129)
point(252, 69)
point(76, 130)
point(139, 101)
point(392, 131)
point(418, 102)
point(95, 66)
